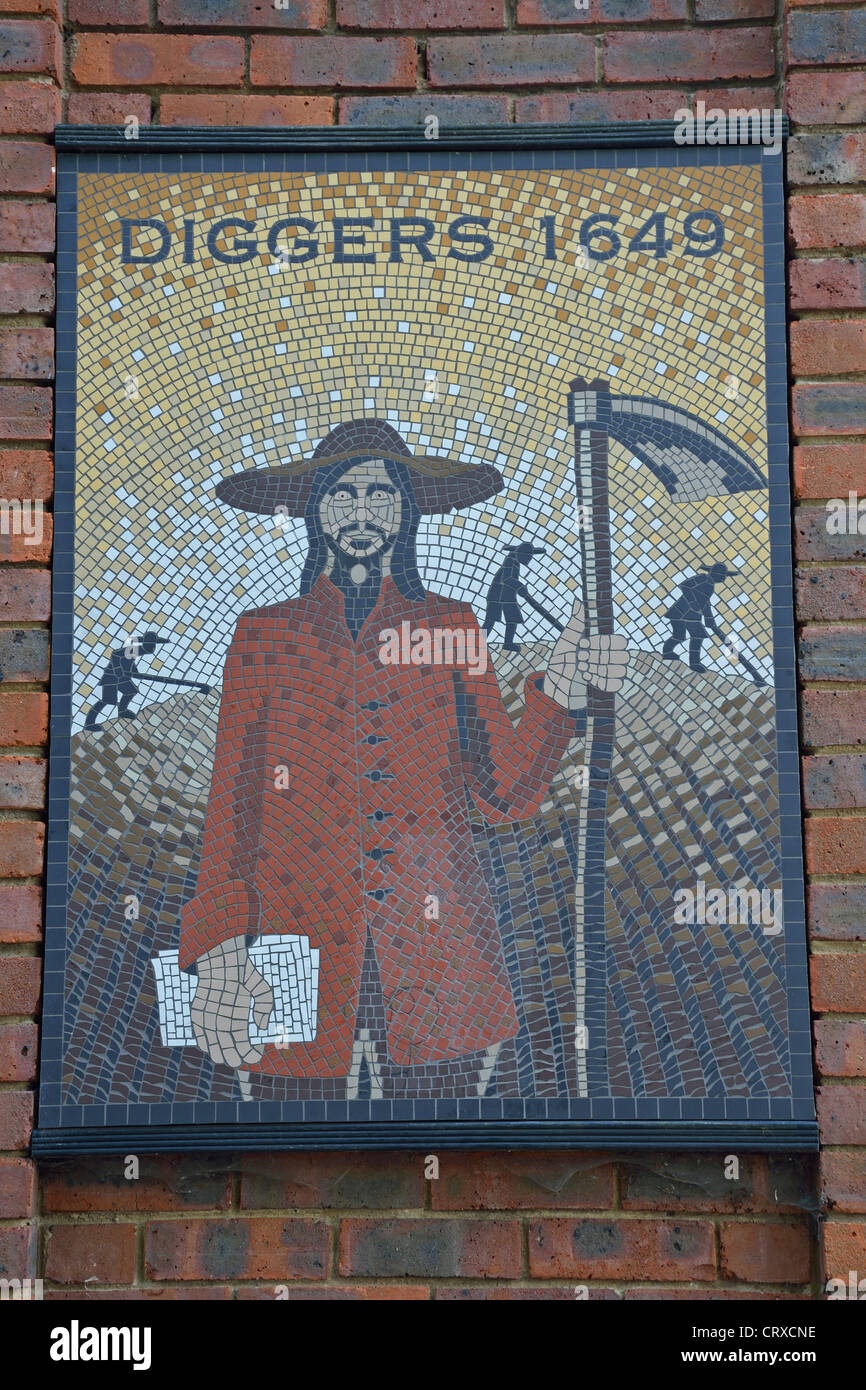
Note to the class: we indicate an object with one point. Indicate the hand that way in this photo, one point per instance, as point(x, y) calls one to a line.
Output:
point(578, 661)
point(227, 983)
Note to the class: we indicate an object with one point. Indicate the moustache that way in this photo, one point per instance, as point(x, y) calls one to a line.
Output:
point(365, 532)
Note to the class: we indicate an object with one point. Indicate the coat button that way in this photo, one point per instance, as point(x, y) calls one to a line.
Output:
point(379, 894)
point(377, 776)
point(378, 815)
point(372, 704)
point(377, 854)
point(375, 738)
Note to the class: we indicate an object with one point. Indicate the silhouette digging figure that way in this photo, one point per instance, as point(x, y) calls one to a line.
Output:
point(505, 592)
point(117, 678)
point(692, 613)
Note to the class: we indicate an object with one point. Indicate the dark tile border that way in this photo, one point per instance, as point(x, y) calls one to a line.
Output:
point(759, 1123)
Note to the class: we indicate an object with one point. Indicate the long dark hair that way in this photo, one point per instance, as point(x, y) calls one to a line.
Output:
point(404, 562)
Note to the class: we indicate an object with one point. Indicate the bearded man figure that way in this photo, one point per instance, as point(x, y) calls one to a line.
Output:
point(386, 763)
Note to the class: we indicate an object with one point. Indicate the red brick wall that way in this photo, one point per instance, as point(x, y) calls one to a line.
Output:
point(495, 1225)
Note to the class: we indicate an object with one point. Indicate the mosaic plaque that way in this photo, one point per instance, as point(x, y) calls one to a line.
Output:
point(424, 747)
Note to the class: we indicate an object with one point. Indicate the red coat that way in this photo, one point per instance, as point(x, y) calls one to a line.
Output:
point(384, 763)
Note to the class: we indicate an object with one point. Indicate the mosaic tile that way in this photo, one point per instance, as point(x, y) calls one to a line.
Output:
point(423, 666)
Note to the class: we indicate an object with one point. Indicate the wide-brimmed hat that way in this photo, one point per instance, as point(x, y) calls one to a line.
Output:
point(718, 571)
point(439, 484)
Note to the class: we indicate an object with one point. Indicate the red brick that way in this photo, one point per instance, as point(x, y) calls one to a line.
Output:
point(713, 11)
point(210, 1294)
point(22, 783)
point(844, 1250)
point(723, 1294)
point(837, 408)
point(738, 98)
point(607, 12)
point(826, 98)
point(837, 911)
point(28, 108)
point(834, 652)
point(825, 157)
point(21, 849)
point(18, 1252)
point(109, 14)
point(214, 109)
point(107, 108)
point(26, 167)
point(332, 62)
point(23, 720)
point(26, 473)
point(332, 1180)
point(103, 1254)
point(836, 845)
point(561, 108)
point(827, 220)
point(16, 1119)
point(509, 1293)
point(510, 60)
point(430, 1248)
point(843, 1179)
point(21, 976)
point(49, 7)
point(424, 14)
point(452, 109)
point(838, 981)
point(840, 1046)
point(18, 1052)
point(836, 779)
point(244, 14)
point(25, 412)
point(20, 913)
point(817, 536)
point(698, 1183)
point(610, 1248)
point(24, 654)
point(830, 470)
point(31, 45)
point(837, 591)
point(27, 352)
point(834, 717)
point(829, 36)
point(267, 1248)
point(824, 347)
point(828, 284)
point(842, 1114)
point(689, 56)
point(17, 1186)
point(764, 1252)
point(339, 1293)
point(25, 595)
point(26, 289)
point(27, 227)
point(163, 1184)
point(158, 60)
point(522, 1181)
point(29, 550)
